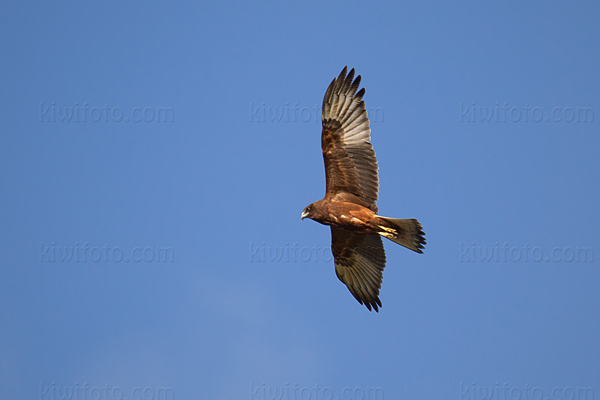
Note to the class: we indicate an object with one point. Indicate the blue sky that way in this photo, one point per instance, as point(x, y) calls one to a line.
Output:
point(155, 158)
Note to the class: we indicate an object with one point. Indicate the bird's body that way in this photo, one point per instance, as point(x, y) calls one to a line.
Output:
point(339, 212)
point(349, 206)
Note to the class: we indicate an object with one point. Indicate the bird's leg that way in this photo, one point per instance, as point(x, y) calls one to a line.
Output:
point(388, 232)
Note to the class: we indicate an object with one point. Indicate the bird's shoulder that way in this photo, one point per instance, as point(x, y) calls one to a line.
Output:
point(345, 197)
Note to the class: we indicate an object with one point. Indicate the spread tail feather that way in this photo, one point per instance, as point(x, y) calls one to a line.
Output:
point(405, 232)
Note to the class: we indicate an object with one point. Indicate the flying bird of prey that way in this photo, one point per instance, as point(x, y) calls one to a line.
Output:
point(349, 206)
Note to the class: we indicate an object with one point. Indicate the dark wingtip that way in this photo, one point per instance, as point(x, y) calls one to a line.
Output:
point(360, 93)
point(378, 302)
point(342, 74)
point(372, 304)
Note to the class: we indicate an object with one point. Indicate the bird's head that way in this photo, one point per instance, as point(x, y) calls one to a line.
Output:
point(307, 212)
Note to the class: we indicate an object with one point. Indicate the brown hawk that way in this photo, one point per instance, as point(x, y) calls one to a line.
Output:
point(349, 206)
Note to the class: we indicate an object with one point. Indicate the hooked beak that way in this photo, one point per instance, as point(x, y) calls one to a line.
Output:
point(304, 214)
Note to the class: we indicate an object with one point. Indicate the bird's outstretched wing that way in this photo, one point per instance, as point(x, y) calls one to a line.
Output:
point(359, 263)
point(350, 163)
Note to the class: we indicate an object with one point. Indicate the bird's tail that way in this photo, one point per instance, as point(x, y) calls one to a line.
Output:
point(405, 232)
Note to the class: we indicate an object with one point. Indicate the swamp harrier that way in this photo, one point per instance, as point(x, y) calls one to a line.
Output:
point(352, 185)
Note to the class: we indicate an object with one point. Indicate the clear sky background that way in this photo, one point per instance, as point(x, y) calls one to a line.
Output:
point(485, 118)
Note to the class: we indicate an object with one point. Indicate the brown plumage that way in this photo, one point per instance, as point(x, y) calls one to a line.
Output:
point(349, 206)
